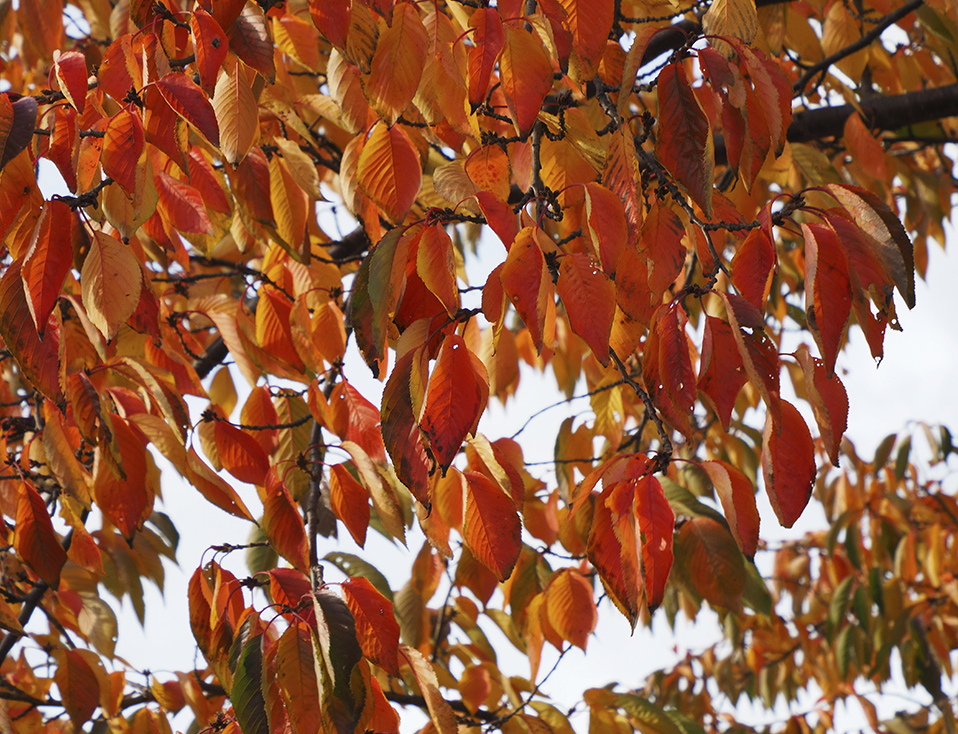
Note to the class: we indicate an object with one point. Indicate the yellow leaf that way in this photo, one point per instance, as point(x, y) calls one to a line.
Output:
point(737, 18)
point(389, 171)
point(111, 283)
point(398, 63)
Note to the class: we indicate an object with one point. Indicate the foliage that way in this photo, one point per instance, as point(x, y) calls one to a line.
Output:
point(678, 193)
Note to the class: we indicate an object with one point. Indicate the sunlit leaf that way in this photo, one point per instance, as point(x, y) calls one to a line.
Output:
point(788, 463)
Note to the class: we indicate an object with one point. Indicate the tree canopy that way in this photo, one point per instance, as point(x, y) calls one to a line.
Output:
point(687, 207)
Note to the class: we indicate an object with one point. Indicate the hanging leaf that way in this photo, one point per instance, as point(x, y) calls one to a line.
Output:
point(246, 692)
point(376, 627)
point(436, 265)
point(48, 261)
point(331, 17)
point(189, 102)
point(122, 147)
point(282, 523)
point(737, 496)
point(589, 298)
point(613, 548)
point(36, 542)
point(78, 686)
point(590, 22)
point(400, 429)
point(354, 418)
point(753, 267)
point(236, 113)
point(491, 527)
point(181, 205)
point(525, 280)
point(828, 300)
point(349, 501)
point(389, 171)
point(656, 526)
point(211, 48)
point(828, 399)
point(240, 454)
point(684, 144)
point(251, 42)
point(571, 607)
point(122, 491)
point(488, 39)
point(788, 463)
point(213, 488)
point(737, 18)
point(455, 400)
point(721, 372)
point(526, 73)
point(398, 63)
point(714, 566)
point(71, 72)
point(111, 281)
point(296, 678)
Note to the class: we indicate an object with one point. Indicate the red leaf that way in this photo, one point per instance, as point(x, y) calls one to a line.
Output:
point(181, 205)
point(752, 267)
point(828, 301)
point(737, 496)
point(721, 372)
point(714, 565)
point(488, 40)
point(788, 463)
point(607, 227)
point(436, 265)
point(35, 541)
point(684, 144)
point(214, 489)
point(488, 167)
point(526, 74)
point(499, 215)
point(376, 626)
point(613, 548)
point(122, 147)
point(758, 352)
point(491, 528)
point(283, 524)
point(456, 397)
point(331, 17)
point(350, 502)
point(291, 588)
point(590, 22)
point(353, 418)
point(127, 499)
point(828, 399)
point(48, 261)
point(211, 46)
point(72, 74)
point(662, 234)
point(189, 102)
point(240, 454)
point(589, 298)
point(526, 282)
point(400, 430)
point(668, 367)
point(78, 686)
point(389, 171)
point(656, 526)
point(620, 175)
point(250, 41)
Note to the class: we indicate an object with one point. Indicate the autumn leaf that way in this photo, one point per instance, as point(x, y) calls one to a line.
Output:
point(455, 400)
point(527, 284)
point(488, 39)
point(189, 102)
point(282, 523)
point(47, 262)
point(685, 139)
point(788, 464)
point(111, 283)
point(737, 496)
point(571, 608)
point(122, 147)
point(389, 172)
point(828, 300)
point(398, 63)
point(526, 75)
point(234, 107)
point(589, 298)
point(376, 626)
point(36, 542)
point(491, 527)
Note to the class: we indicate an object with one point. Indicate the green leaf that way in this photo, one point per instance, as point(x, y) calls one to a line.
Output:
point(355, 566)
point(247, 691)
point(648, 718)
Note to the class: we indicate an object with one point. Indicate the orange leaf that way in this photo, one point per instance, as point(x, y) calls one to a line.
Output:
point(389, 171)
point(291, 206)
point(354, 418)
point(283, 524)
point(589, 298)
point(491, 527)
point(78, 686)
point(526, 282)
point(436, 265)
point(122, 147)
point(590, 22)
point(526, 73)
point(236, 113)
point(759, 353)
point(613, 548)
point(48, 261)
point(456, 397)
point(607, 227)
point(828, 399)
point(489, 169)
point(488, 40)
point(211, 46)
point(350, 502)
point(72, 74)
point(273, 330)
point(189, 102)
point(441, 713)
point(398, 63)
point(401, 434)
point(684, 144)
point(714, 565)
point(737, 496)
point(181, 205)
point(35, 540)
point(828, 300)
point(788, 463)
point(376, 626)
point(213, 488)
point(571, 607)
point(667, 369)
point(753, 266)
point(296, 679)
point(661, 240)
point(331, 17)
point(656, 526)
point(240, 454)
point(111, 281)
point(127, 499)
